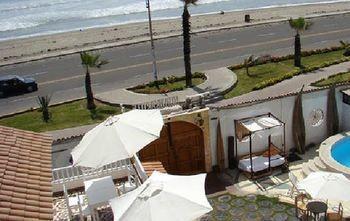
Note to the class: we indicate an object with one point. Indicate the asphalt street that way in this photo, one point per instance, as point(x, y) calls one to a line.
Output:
point(63, 77)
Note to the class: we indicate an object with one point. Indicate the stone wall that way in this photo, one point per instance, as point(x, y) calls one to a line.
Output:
point(283, 109)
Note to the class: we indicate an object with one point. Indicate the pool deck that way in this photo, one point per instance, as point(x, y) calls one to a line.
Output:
point(278, 184)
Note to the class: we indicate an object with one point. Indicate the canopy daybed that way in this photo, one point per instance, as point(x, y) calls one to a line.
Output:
point(261, 163)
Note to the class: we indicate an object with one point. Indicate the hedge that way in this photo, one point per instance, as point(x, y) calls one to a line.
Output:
point(273, 59)
point(169, 79)
point(289, 75)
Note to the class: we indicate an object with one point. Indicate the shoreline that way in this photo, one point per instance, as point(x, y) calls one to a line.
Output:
point(34, 48)
point(50, 33)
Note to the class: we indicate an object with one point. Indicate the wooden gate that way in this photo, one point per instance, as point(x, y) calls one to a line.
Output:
point(180, 148)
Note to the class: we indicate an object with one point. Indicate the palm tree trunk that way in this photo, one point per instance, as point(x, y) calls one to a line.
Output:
point(89, 95)
point(297, 51)
point(186, 26)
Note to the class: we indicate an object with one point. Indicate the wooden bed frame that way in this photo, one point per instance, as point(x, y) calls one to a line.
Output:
point(282, 152)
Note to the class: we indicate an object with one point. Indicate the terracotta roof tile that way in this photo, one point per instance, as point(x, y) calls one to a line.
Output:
point(243, 100)
point(151, 166)
point(25, 175)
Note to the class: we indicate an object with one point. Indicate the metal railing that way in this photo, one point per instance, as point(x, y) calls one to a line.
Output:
point(72, 173)
point(160, 103)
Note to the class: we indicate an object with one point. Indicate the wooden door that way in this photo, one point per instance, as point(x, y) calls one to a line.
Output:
point(180, 148)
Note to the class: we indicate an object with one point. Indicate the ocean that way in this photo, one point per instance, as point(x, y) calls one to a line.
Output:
point(25, 18)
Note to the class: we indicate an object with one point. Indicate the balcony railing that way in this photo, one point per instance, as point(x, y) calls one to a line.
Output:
point(73, 177)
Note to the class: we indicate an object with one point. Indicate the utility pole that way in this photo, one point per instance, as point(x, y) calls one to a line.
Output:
point(155, 71)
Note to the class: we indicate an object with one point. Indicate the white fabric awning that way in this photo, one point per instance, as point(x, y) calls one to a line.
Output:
point(261, 123)
point(118, 138)
point(164, 197)
point(326, 185)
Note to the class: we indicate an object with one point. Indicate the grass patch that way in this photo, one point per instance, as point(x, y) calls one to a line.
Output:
point(62, 116)
point(343, 77)
point(273, 72)
point(168, 84)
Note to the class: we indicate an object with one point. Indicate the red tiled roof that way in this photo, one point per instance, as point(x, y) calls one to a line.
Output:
point(25, 175)
point(242, 100)
point(151, 166)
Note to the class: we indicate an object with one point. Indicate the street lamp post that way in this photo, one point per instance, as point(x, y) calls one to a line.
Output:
point(155, 71)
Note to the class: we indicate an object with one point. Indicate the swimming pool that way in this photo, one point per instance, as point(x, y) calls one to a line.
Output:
point(341, 151)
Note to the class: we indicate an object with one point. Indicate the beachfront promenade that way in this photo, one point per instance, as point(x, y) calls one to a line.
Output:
point(131, 65)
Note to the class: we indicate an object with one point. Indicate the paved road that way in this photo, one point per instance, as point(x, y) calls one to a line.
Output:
point(130, 65)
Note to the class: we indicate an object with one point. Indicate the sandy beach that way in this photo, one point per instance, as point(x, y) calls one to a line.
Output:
point(20, 50)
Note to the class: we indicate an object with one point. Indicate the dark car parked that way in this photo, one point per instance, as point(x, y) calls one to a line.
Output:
point(13, 84)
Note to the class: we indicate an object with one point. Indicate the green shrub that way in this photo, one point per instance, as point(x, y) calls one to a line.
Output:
point(290, 56)
point(333, 79)
point(273, 81)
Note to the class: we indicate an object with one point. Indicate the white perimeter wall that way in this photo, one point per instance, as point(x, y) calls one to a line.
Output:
point(283, 109)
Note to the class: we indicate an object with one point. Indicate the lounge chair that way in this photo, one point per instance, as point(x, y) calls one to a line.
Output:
point(98, 192)
point(336, 216)
point(294, 181)
point(76, 205)
point(300, 203)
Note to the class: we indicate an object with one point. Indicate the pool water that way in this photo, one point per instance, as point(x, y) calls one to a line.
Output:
point(341, 151)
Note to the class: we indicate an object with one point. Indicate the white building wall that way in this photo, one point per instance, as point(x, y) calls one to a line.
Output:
point(282, 109)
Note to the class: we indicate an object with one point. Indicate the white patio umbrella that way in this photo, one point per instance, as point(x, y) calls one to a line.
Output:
point(326, 185)
point(164, 197)
point(117, 138)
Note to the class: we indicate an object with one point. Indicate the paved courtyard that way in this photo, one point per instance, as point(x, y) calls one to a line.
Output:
point(251, 207)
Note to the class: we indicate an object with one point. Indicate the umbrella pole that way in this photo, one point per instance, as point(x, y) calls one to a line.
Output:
point(132, 160)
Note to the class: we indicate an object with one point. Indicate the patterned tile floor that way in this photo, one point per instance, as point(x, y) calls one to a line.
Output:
point(249, 208)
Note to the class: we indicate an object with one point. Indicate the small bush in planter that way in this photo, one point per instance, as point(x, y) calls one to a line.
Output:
point(44, 102)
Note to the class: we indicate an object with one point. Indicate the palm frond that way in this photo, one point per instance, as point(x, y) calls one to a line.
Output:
point(344, 44)
point(189, 2)
point(101, 63)
point(91, 60)
point(44, 102)
point(299, 24)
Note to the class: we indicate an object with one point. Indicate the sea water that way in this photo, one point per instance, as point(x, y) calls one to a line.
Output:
point(23, 18)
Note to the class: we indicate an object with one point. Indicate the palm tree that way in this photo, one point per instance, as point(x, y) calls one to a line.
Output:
point(186, 27)
point(90, 61)
point(247, 63)
point(299, 25)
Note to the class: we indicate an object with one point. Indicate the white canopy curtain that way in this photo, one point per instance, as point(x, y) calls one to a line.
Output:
point(164, 197)
point(263, 125)
point(117, 138)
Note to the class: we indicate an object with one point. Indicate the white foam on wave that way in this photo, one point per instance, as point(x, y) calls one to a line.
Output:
point(138, 7)
point(36, 19)
point(14, 6)
point(31, 20)
point(9, 26)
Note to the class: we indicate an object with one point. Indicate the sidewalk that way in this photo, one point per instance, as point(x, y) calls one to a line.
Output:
point(285, 87)
point(218, 82)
